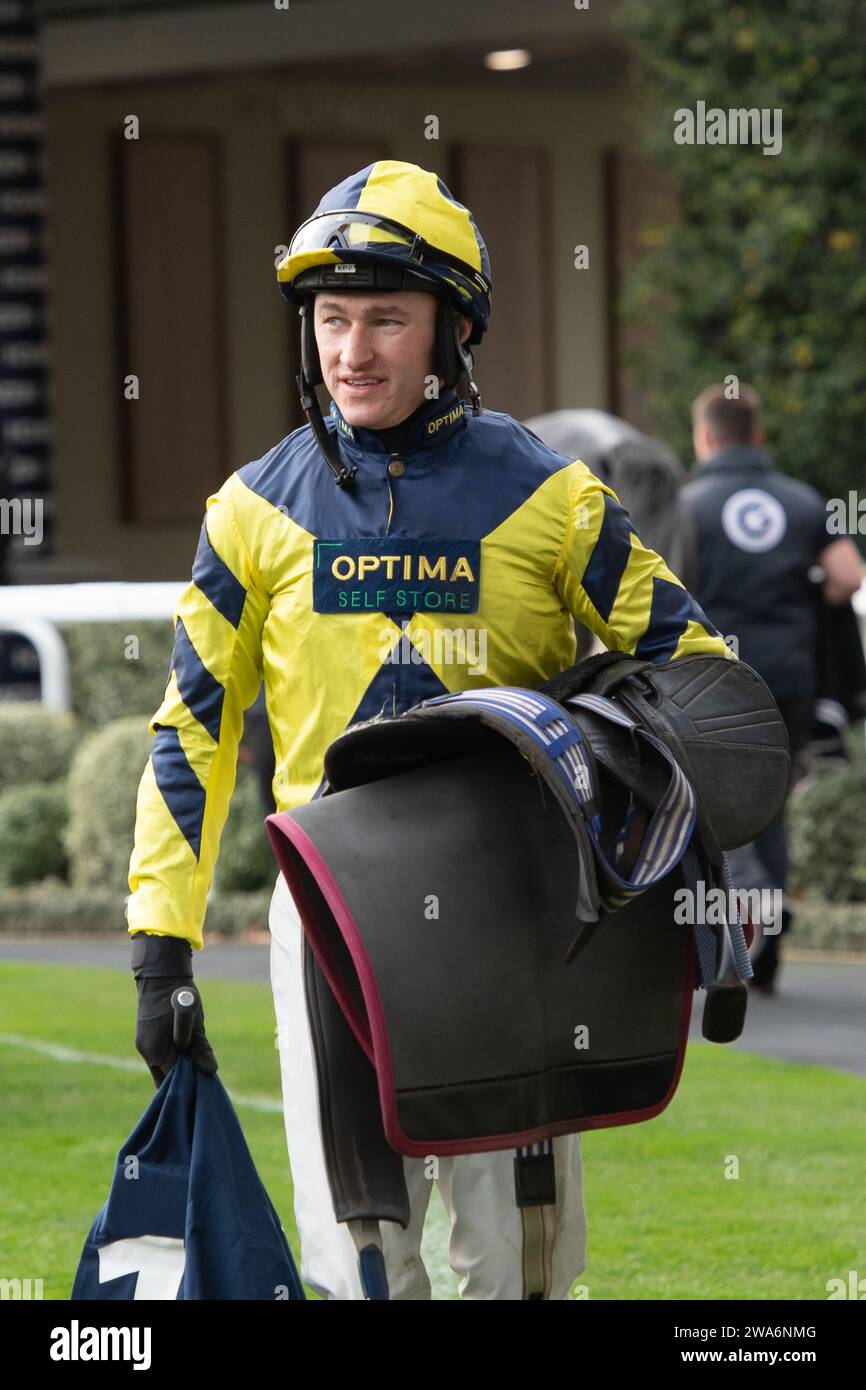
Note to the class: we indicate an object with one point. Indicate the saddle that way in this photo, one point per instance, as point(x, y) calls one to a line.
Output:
point(720, 721)
point(488, 889)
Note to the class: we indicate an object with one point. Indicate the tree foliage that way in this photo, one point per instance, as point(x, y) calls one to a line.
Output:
point(763, 273)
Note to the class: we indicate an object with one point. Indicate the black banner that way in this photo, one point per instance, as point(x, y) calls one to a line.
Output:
point(25, 423)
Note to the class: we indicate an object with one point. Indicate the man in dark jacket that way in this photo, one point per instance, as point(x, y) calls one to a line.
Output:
point(761, 541)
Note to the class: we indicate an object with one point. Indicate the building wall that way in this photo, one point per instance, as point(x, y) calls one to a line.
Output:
point(254, 118)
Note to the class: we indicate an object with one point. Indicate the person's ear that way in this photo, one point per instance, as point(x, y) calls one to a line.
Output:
point(465, 329)
point(759, 436)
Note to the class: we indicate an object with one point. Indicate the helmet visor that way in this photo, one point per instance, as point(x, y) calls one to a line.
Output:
point(354, 230)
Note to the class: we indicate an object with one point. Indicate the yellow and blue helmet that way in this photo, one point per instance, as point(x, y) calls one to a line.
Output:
point(392, 226)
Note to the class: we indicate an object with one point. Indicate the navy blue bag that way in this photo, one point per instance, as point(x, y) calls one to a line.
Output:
point(187, 1216)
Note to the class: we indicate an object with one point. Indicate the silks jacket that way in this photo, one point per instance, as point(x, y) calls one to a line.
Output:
point(460, 563)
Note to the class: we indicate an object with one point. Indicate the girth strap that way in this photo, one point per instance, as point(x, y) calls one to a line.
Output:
point(670, 829)
point(535, 1196)
point(705, 939)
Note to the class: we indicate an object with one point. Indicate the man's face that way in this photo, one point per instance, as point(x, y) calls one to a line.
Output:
point(376, 352)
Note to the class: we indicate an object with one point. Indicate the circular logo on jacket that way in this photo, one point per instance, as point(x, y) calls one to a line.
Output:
point(753, 520)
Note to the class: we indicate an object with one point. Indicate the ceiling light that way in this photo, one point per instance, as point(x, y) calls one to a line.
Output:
point(507, 59)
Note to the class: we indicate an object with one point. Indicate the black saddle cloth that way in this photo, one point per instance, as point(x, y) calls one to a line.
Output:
point(439, 906)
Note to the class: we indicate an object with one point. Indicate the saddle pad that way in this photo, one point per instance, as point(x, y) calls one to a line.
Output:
point(449, 965)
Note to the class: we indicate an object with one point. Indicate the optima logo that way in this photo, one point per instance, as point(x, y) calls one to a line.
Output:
point(396, 575)
point(443, 420)
point(404, 566)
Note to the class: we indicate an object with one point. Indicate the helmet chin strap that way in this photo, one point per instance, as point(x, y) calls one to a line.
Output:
point(454, 361)
point(454, 357)
point(469, 367)
point(307, 380)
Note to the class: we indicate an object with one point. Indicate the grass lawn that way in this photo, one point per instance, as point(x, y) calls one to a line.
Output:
point(664, 1221)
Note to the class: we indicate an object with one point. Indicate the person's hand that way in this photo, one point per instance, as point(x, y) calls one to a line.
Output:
point(162, 964)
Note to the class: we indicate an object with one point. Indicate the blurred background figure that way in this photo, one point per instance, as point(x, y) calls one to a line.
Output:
point(841, 698)
point(644, 473)
point(766, 566)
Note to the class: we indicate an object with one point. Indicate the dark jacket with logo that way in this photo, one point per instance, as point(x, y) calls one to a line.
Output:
point(758, 535)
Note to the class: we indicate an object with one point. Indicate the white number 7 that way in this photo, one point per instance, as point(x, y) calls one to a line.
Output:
point(158, 1261)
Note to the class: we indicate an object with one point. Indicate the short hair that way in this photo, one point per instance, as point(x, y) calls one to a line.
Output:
point(731, 421)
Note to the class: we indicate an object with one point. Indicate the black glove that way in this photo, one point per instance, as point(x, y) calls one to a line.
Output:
point(161, 964)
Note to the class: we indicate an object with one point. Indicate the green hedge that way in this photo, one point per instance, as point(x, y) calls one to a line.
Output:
point(103, 785)
point(826, 927)
point(827, 821)
point(32, 825)
point(36, 744)
point(117, 669)
point(246, 861)
point(53, 906)
point(103, 788)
